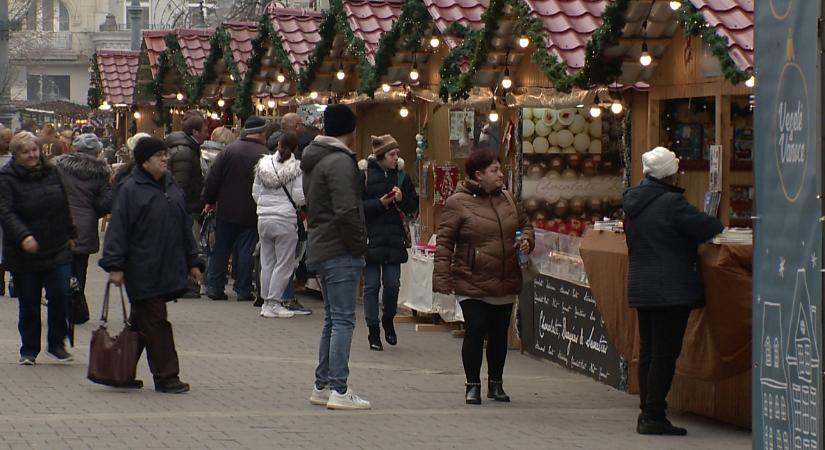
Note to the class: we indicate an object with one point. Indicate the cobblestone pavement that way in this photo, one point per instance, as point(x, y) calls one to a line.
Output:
point(251, 378)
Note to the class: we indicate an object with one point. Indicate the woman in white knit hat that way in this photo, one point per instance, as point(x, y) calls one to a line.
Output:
point(663, 234)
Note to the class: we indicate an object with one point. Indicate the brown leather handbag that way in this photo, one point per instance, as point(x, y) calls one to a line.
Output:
point(113, 360)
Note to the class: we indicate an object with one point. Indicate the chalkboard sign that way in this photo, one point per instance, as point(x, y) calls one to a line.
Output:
point(568, 329)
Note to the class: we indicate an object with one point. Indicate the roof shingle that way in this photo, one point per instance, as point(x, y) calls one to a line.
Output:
point(568, 26)
point(118, 75)
point(299, 32)
point(369, 19)
point(194, 46)
point(241, 36)
point(732, 19)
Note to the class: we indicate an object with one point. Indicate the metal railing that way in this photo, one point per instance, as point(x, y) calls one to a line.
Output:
point(46, 40)
point(151, 26)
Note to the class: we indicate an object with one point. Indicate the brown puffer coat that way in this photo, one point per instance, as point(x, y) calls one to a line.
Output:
point(476, 253)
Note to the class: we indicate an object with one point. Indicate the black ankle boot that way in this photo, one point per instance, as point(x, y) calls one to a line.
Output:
point(495, 391)
point(375, 338)
point(389, 332)
point(473, 396)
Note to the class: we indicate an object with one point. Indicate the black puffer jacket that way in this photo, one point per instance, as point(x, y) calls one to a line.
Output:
point(663, 235)
point(149, 238)
point(385, 229)
point(34, 203)
point(185, 165)
point(89, 190)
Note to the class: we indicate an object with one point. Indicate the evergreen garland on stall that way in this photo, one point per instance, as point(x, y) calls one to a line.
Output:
point(694, 24)
point(95, 95)
point(219, 50)
point(322, 48)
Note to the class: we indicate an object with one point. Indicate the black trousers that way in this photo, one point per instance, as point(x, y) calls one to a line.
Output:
point(148, 317)
point(483, 319)
point(660, 331)
point(80, 265)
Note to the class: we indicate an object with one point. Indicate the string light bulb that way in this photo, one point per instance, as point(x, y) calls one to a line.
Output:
point(675, 5)
point(179, 96)
point(232, 77)
point(104, 106)
point(313, 95)
point(616, 107)
point(414, 72)
point(595, 111)
point(280, 77)
point(215, 116)
point(506, 82)
point(271, 103)
point(340, 74)
point(260, 106)
point(523, 41)
point(136, 115)
point(645, 59)
point(493, 116)
point(435, 42)
point(221, 102)
point(404, 112)
point(385, 87)
point(751, 82)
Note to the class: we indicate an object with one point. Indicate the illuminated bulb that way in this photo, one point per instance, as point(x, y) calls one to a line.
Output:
point(506, 82)
point(104, 106)
point(280, 77)
point(232, 77)
point(221, 103)
point(260, 106)
point(271, 103)
point(523, 41)
point(595, 111)
point(385, 87)
point(136, 115)
point(493, 116)
point(414, 72)
point(340, 75)
point(675, 5)
point(404, 112)
point(751, 82)
point(179, 96)
point(616, 107)
point(215, 116)
point(434, 42)
point(645, 59)
point(313, 95)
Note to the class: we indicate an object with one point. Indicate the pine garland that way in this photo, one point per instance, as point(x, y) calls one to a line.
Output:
point(322, 48)
point(95, 95)
point(694, 24)
point(218, 50)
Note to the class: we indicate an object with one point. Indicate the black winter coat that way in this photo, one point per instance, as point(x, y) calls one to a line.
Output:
point(150, 239)
point(89, 190)
point(385, 229)
point(230, 182)
point(185, 165)
point(663, 236)
point(34, 204)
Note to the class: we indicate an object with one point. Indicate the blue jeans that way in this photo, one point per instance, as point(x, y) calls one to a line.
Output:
point(374, 275)
point(227, 234)
point(339, 284)
point(29, 286)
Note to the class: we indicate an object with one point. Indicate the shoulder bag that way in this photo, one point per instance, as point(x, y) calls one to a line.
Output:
point(113, 360)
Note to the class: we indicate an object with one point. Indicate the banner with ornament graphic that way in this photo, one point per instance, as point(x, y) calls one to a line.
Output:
point(787, 289)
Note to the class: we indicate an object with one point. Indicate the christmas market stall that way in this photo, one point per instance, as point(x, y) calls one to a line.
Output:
point(112, 88)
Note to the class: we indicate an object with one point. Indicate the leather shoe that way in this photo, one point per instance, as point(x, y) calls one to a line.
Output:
point(495, 391)
point(389, 333)
point(217, 295)
point(172, 387)
point(473, 396)
point(659, 427)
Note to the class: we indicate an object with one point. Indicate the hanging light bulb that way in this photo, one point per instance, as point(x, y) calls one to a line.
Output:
point(215, 116)
point(435, 42)
point(104, 106)
point(271, 103)
point(751, 82)
point(595, 111)
point(645, 59)
point(221, 102)
point(280, 77)
point(506, 82)
point(414, 72)
point(260, 106)
point(313, 95)
point(675, 5)
point(179, 96)
point(136, 115)
point(341, 75)
point(493, 116)
point(616, 107)
point(232, 77)
point(385, 87)
point(404, 112)
point(523, 41)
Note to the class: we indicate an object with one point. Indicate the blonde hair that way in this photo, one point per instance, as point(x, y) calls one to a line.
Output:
point(5, 139)
point(21, 140)
point(223, 135)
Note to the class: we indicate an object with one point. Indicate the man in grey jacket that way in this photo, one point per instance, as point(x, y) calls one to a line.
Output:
point(337, 244)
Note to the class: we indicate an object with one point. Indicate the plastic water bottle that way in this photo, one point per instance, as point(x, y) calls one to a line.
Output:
point(523, 260)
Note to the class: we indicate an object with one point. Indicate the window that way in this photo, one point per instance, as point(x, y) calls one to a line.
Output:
point(47, 15)
point(145, 16)
point(48, 87)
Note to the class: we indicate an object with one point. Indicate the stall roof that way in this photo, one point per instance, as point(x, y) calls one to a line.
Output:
point(568, 26)
point(734, 20)
point(241, 36)
point(299, 32)
point(155, 45)
point(369, 19)
point(464, 12)
point(194, 46)
point(118, 74)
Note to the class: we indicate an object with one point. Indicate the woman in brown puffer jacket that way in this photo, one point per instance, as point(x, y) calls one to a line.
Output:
point(476, 259)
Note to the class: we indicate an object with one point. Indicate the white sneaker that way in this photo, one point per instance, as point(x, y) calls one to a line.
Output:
point(277, 310)
point(319, 397)
point(265, 307)
point(347, 400)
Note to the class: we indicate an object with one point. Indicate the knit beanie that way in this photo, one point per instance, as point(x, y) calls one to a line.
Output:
point(254, 125)
point(132, 141)
point(87, 143)
point(146, 148)
point(339, 120)
point(383, 144)
point(660, 163)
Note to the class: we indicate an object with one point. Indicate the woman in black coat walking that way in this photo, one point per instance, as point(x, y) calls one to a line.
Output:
point(663, 235)
point(37, 233)
point(388, 195)
point(149, 247)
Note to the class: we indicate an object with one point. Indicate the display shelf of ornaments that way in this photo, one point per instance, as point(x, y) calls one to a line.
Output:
point(571, 173)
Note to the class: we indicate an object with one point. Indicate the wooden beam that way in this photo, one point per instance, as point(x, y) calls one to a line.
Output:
point(642, 40)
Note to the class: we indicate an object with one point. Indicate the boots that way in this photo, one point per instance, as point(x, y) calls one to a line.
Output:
point(389, 332)
point(375, 338)
point(473, 395)
point(2, 281)
point(496, 392)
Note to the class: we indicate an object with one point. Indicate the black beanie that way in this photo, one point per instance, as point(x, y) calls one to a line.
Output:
point(339, 120)
point(147, 147)
point(254, 125)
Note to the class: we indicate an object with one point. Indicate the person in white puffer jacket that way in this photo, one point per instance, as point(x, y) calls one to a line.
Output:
point(278, 192)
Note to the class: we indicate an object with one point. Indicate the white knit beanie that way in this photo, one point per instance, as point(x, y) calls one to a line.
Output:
point(660, 163)
point(132, 141)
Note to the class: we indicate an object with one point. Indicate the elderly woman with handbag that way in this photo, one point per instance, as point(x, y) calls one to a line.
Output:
point(278, 193)
point(476, 259)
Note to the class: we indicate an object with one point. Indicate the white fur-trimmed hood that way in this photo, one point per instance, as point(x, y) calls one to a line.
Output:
point(274, 174)
point(364, 163)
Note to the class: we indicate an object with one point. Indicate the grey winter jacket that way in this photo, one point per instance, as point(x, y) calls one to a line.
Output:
point(335, 210)
point(88, 187)
point(185, 165)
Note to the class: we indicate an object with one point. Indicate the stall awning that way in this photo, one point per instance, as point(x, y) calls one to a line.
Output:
point(241, 36)
point(118, 75)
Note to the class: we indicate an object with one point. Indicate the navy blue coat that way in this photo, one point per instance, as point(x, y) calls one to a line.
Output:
point(663, 233)
point(385, 229)
point(150, 238)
